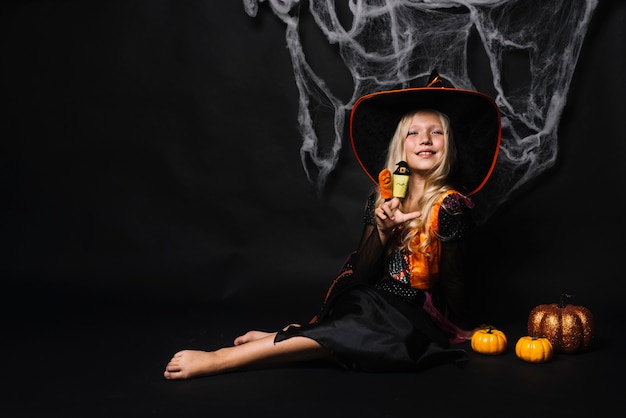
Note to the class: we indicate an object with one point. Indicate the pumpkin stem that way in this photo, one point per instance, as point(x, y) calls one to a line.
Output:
point(489, 330)
point(563, 300)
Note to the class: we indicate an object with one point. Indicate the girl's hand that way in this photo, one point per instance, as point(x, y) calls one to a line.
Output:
point(389, 216)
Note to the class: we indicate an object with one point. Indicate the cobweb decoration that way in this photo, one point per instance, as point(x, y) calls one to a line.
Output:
point(396, 44)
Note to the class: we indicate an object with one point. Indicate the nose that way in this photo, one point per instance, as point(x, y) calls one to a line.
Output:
point(425, 140)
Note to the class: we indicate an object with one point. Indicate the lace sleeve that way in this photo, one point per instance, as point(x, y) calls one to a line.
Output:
point(368, 259)
point(455, 217)
point(368, 216)
point(455, 224)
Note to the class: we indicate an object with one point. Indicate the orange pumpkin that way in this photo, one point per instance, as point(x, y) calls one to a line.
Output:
point(489, 341)
point(533, 349)
point(569, 328)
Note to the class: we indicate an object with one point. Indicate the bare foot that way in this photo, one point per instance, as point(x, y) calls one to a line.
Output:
point(255, 335)
point(467, 334)
point(187, 364)
point(250, 336)
point(191, 363)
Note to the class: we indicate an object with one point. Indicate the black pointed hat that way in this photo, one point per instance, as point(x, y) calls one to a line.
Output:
point(474, 119)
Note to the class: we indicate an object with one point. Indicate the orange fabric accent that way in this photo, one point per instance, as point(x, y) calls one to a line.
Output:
point(425, 263)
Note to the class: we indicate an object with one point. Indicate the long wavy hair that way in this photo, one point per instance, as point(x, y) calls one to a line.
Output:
point(436, 181)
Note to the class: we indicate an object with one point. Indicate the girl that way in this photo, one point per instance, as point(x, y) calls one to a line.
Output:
point(398, 303)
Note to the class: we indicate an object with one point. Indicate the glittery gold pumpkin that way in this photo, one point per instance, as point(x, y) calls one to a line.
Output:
point(569, 328)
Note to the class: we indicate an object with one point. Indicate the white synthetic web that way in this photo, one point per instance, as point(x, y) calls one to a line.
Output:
point(391, 44)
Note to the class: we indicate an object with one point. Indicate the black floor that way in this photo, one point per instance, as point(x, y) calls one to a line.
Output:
point(72, 354)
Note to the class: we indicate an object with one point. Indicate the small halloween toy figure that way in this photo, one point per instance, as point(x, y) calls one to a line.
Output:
point(384, 182)
point(401, 179)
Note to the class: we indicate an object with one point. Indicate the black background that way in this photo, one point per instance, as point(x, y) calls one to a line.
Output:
point(153, 199)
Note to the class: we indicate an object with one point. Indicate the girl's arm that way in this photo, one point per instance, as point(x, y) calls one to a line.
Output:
point(367, 262)
point(380, 227)
point(452, 284)
point(455, 225)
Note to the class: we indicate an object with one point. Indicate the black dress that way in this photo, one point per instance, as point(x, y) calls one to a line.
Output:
point(373, 320)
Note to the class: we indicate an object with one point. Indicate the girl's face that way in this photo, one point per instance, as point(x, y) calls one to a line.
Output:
point(425, 142)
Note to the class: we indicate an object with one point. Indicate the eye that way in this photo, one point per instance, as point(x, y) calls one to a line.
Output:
point(411, 133)
point(437, 132)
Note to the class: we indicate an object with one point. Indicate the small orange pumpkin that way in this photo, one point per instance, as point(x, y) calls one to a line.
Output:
point(489, 341)
point(569, 328)
point(533, 349)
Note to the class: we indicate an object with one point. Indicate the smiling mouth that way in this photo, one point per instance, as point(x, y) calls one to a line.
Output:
point(425, 153)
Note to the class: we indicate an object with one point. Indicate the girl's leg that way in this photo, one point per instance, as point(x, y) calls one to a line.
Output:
point(193, 363)
point(255, 335)
point(251, 336)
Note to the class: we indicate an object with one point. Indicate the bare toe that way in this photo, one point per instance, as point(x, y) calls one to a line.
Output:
point(191, 363)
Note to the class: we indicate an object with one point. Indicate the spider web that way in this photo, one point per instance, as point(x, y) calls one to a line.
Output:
point(394, 44)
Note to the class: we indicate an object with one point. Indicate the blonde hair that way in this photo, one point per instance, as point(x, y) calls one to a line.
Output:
point(435, 182)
